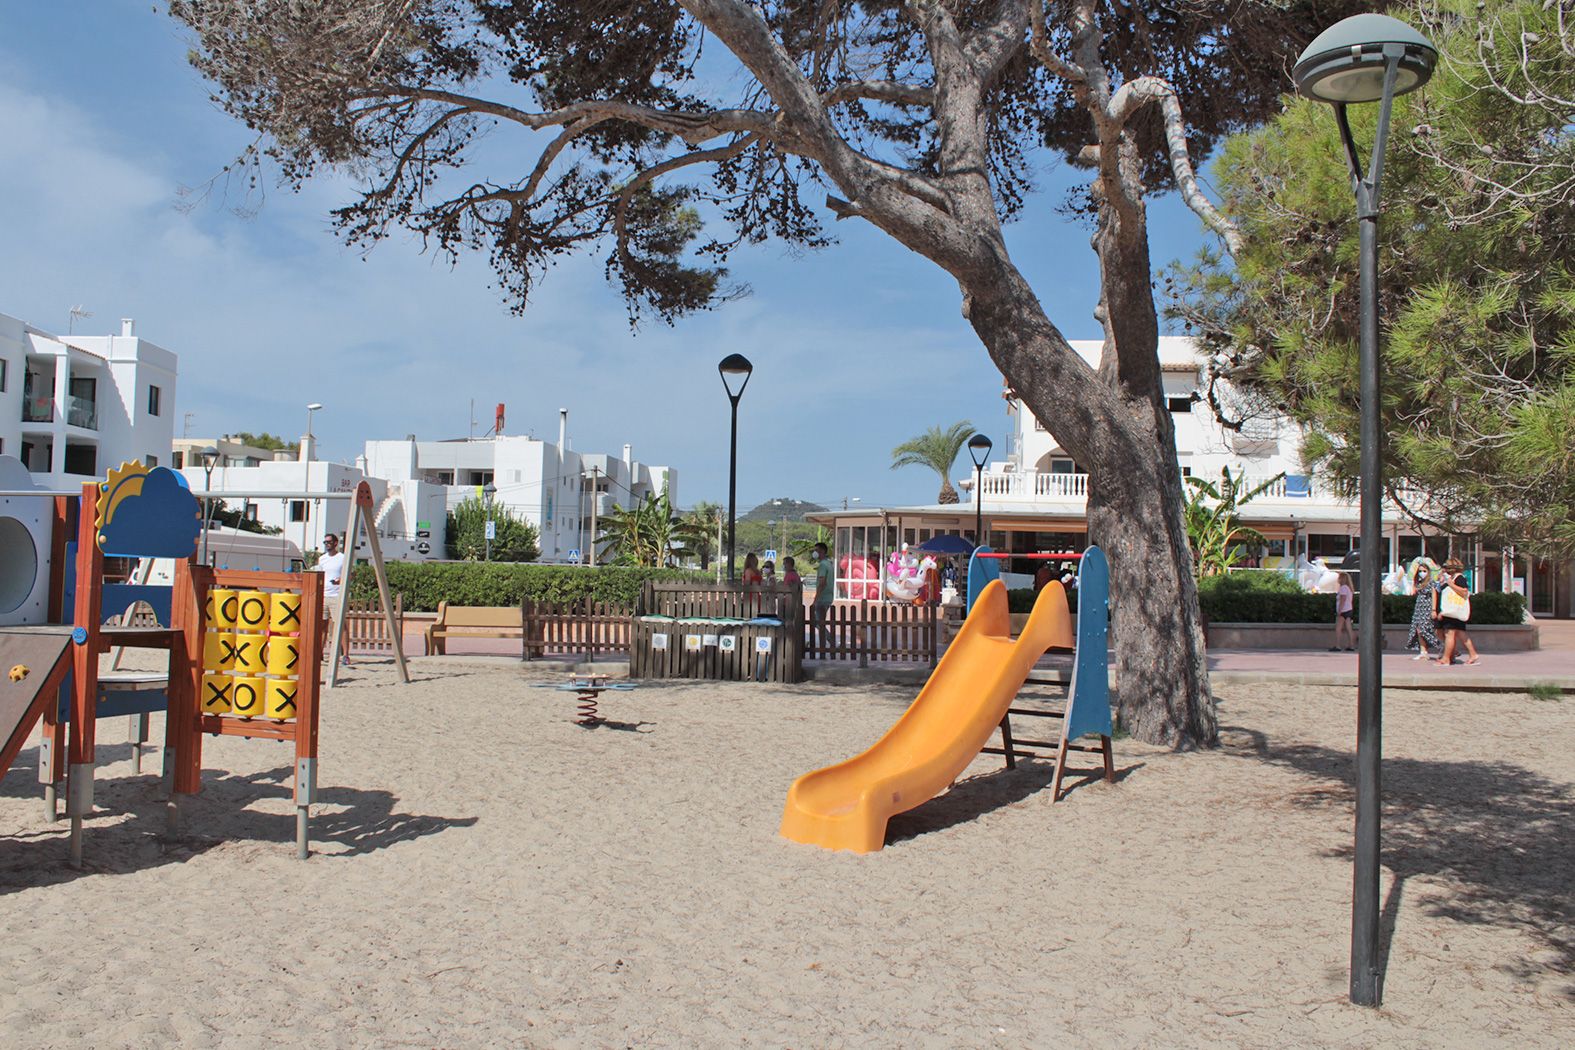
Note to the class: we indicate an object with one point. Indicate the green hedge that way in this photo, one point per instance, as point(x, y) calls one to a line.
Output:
point(424, 584)
point(1272, 597)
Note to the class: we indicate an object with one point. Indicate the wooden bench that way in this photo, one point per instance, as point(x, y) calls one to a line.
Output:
point(472, 621)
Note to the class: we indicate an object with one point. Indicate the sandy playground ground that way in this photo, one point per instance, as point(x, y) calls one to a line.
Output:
point(488, 874)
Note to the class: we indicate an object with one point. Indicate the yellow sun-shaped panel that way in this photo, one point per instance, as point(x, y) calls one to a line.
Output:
point(123, 481)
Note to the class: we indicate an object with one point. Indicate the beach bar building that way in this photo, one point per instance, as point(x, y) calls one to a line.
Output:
point(1034, 498)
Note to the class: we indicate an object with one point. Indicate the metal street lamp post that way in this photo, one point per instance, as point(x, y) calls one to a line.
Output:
point(979, 448)
point(489, 491)
point(210, 459)
point(307, 449)
point(732, 367)
point(1367, 58)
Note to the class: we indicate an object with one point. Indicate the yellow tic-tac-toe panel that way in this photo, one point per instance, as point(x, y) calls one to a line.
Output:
point(221, 608)
point(285, 614)
point(249, 654)
point(279, 700)
point(246, 697)
point(284, 656)
point(218, 651)
point(252, 611)
point(215, 693)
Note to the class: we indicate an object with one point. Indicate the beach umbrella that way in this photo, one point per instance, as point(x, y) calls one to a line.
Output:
point(943, 545)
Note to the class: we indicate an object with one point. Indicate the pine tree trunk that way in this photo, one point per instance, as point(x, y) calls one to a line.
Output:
point(1118, 425)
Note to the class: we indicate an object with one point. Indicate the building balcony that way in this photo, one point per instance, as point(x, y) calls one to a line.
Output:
point(38, 410)
point(1294, 495)
point(82, 412)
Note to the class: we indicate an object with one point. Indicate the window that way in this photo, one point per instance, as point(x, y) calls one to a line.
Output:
point(150, 461)
point(180, 460)
point(153, 400)
point(4, 364)
point(81, 459)
point(298, 510)
point(1179, 405)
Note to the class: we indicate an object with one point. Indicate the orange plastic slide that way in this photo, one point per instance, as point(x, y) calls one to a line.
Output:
point(846, 806)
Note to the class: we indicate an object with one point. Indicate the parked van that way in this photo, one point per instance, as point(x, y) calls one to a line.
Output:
point(233, 549)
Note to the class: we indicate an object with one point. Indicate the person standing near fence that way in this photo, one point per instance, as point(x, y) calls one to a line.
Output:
point(825, 593)
point(332, 566)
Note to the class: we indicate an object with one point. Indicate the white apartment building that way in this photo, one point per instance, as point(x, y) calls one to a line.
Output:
point(408, 515)
point(72, 407)
point(1034, 498)
point(549, 485)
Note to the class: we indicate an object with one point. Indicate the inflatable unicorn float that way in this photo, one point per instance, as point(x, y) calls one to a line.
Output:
point(910, 579)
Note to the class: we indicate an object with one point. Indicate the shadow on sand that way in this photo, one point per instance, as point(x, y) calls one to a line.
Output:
point(345, 822)
point(972, 798)
point(1503, 835)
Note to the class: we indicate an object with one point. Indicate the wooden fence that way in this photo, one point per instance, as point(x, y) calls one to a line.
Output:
point(366, 631)
point(588, 627)
point(686, 630)
point(874, 631)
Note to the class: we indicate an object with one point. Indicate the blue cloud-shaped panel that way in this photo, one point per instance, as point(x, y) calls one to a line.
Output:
point(160, 522)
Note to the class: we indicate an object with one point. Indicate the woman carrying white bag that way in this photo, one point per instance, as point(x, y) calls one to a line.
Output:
point(1452, 610)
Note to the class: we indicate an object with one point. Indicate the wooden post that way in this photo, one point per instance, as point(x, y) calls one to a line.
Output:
point(361, 509)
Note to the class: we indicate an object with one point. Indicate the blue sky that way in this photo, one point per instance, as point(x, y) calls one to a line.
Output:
point(855, 348)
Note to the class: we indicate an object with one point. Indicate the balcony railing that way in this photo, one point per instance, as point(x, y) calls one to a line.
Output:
point(1031, 485)
point(82, 412)
point(38, 409)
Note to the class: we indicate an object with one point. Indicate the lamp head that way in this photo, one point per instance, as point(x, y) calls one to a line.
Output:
point(314, 407)
point(735, 368)
point(210, 456)
point(490, 489)
point(979, 448)
point(1345, 63)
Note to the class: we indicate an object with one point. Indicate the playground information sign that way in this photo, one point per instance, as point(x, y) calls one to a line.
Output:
point(762, 645)
point(658, 641)
point(727, 643)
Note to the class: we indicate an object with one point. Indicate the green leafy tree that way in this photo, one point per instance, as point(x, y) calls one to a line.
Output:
point(650, 533)
point(937, 449)
point(515, 539)
point(1214, 527)
point(1476, 282)
point(266, 440)
point(703, 521)
point(222, 514)
point(926, 119)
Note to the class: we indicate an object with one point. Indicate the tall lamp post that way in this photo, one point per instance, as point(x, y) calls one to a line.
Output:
point(1367, 58)
point(307, 450)
point(979, 448)
point(734, 368)
point(210, 459)
point(489, 490)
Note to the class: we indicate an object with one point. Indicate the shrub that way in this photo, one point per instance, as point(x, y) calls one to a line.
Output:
point(1021, 600)
point(515, 538)
point(1272, 597)
point(424, 584)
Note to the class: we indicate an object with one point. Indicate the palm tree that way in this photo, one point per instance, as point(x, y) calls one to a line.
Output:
point(650, 533)
point(1213, 527)
point(703, 522)
point(936, 449)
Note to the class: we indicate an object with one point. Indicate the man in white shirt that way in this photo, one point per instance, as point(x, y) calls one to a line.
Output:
point(332, 566)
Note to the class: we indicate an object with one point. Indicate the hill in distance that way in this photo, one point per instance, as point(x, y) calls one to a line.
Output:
point(777, 509)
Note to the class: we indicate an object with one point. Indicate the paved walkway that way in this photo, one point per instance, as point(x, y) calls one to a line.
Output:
point(1553, 664)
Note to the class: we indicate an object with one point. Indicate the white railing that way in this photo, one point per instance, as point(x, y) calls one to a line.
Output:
point(1032, 485)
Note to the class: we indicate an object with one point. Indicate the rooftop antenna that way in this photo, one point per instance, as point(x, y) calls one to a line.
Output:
point(78, 310)
point(185, 427)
